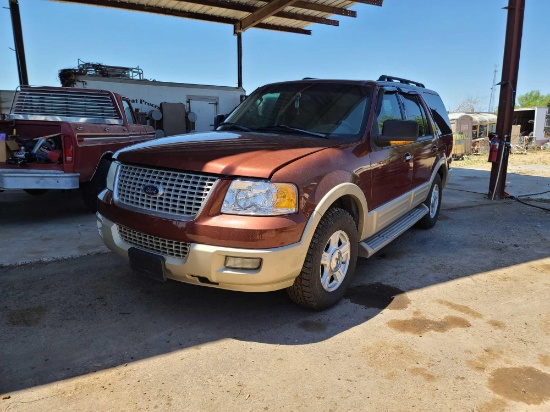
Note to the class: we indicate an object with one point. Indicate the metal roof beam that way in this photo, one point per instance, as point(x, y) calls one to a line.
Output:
point(371, 2)
point(325, 9)
point(282, 28)
point(230, 5)
point(254, 19)
point(180, 13)
point(305, 17)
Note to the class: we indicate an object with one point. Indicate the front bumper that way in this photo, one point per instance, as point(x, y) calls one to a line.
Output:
point(205, 264)
point(37, 179)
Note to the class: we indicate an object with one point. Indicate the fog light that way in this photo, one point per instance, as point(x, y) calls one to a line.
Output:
point(242, 263)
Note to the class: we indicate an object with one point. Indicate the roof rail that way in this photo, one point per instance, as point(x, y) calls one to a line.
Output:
point(385, 78)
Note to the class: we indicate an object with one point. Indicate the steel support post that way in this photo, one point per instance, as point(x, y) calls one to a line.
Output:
point(18, 40)
point(239, 60)
point(507, 98)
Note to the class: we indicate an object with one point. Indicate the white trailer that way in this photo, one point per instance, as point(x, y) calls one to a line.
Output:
point(205, 101)
point(547, 124)
point(531, 120)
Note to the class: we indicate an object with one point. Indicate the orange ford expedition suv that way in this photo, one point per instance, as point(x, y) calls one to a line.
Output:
point(301, 179)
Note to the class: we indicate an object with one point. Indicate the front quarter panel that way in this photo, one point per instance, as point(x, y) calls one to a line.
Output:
point(325, 177)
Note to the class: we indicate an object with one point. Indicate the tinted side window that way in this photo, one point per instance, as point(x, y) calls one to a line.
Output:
point(415, 112)
point(439, 113)
point(388, 109)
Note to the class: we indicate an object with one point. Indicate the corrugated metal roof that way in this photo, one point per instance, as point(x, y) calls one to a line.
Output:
point(280, 15)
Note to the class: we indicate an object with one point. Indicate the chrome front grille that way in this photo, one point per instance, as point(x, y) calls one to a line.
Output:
point(181, 194)
point(151, 243)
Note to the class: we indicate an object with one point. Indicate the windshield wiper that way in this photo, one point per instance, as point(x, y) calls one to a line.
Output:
point(285, 127)
point(236, 126)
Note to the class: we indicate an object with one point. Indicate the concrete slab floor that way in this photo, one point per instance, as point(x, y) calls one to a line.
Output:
point(43, 228)
point(468, 328)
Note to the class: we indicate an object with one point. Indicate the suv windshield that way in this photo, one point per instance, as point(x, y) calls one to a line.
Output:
point(310, 109)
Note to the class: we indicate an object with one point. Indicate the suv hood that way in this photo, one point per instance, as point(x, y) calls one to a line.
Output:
point(224, 153)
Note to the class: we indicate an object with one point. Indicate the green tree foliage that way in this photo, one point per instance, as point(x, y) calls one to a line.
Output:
point(533, 98)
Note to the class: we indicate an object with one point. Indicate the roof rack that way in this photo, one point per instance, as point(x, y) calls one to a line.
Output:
point(385, 78)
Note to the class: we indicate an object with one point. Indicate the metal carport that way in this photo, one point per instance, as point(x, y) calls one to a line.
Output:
point(280, 15)
point(291, 16)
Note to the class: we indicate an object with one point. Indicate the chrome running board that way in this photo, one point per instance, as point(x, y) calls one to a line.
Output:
point(373, 244)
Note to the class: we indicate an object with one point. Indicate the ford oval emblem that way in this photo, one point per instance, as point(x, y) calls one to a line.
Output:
point(152, 190)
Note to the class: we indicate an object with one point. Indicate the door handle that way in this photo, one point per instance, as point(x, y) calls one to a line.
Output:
point(434, 148)
point(407, 157)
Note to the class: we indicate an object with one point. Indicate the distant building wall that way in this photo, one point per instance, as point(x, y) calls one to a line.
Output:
point(6, 98)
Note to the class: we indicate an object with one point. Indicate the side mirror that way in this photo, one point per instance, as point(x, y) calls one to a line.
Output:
point(397, 131)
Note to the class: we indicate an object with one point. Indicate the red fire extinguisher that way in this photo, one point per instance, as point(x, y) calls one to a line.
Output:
point(493, 151)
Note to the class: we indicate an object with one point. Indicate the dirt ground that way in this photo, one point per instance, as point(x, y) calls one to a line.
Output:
point(456, 318)
point(531, 163)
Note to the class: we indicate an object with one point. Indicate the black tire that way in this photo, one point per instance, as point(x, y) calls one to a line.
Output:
point(35, 192)
point(308, 290)
point(433, 202)
point(95, 186)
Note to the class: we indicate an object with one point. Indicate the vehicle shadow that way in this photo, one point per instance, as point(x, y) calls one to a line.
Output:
point(19, 205)
point(73, 317)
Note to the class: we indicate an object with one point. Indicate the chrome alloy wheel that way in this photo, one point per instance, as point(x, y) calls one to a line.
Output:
point(434, 201)
point(335, 261)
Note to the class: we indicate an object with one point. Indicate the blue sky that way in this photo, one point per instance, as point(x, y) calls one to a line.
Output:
point(451, 46)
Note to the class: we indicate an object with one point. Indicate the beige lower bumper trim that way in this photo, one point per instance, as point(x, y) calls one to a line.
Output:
point(280, 266)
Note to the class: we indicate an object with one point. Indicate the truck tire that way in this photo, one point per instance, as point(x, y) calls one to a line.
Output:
point(433, 202)
point(329, 264)
point(35, 192)
point(94, 187)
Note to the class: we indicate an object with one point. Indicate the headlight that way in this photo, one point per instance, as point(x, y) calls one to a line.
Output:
point(111, 176)
point(260, 198)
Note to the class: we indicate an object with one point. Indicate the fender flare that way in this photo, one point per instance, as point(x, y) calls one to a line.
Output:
point(337, 192)
point(105, 156)
point(443, 165)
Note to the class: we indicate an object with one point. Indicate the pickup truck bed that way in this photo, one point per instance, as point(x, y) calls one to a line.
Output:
point(81, 130)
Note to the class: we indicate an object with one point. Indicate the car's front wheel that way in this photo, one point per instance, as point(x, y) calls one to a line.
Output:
point(330, 262)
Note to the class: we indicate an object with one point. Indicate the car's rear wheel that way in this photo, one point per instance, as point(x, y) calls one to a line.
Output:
point(330, 262)
point(433, 202)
